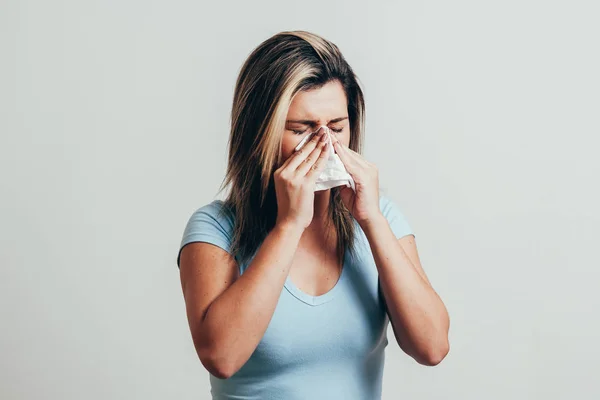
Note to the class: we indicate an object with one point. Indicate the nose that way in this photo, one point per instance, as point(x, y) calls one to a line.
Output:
point(332, 138)
point(325, 128)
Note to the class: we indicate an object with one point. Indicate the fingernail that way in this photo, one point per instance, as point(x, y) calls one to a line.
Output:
point(324, 137)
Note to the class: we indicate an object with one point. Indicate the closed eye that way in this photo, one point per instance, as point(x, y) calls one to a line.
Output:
point(297, 132)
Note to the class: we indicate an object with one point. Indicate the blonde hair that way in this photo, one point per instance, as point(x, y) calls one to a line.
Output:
point(279, 68)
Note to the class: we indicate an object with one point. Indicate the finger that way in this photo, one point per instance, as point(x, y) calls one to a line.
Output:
point(349, 153)
point(357, 156)
point(310, 161)
point(303, 141)
point(298, 157)
point(297, 149)
point(320, 164)
point(347, 159)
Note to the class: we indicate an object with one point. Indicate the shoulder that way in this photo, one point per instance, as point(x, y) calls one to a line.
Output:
point(216, 211)
point(392, 211)
point(211, 223)
point(385, 204)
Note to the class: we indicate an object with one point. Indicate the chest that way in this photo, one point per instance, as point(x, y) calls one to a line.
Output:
point(347, 322)
point(316, 272)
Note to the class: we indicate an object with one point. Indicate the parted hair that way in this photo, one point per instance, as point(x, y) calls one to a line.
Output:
point(275, 71)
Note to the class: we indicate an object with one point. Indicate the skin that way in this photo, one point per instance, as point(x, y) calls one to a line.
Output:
point(228, 314)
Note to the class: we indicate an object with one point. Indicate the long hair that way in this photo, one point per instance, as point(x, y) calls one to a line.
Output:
point(276, 70)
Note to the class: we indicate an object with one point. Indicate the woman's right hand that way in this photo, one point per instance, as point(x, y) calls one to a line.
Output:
point(295, 181)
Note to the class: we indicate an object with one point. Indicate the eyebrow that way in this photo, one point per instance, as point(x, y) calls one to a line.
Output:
point(311, 122)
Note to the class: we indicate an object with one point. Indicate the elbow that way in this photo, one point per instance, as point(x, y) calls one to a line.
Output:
point(435, 354)
point(219, 370)
point(216, 362)
point(220, 367)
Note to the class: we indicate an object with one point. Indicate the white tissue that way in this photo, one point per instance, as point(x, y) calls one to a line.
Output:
point(335, 173)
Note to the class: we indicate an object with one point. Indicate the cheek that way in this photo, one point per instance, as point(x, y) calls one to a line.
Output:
point(288, 144)
point(343, 137)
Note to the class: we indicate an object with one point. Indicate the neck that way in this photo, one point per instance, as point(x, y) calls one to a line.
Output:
point(321, 211)
point(321, 232)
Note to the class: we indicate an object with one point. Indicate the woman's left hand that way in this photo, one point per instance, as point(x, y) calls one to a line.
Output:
point(364, 203)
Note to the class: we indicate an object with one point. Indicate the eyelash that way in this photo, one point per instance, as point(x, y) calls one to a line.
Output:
point(301, 132)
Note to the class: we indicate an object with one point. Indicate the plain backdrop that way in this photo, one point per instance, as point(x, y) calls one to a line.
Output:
point(482, 116)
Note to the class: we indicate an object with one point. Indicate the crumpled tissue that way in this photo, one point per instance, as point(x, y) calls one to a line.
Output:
point(335, 173)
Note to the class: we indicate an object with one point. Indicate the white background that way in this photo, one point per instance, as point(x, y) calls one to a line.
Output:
point(483, 117)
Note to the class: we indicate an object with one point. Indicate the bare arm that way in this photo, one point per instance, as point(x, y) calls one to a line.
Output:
point(419, 317)
point(228, 314)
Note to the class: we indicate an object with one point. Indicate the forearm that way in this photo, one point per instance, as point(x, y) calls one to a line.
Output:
point(237, 320)
point(418, 315)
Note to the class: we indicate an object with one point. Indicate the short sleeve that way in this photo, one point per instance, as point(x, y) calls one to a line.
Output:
point(395, 217)
point(211, 223)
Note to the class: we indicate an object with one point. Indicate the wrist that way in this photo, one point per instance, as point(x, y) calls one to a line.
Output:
point(289, 228)
point(374, 221)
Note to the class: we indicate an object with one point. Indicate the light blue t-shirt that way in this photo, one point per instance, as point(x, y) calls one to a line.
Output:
point(315, 347)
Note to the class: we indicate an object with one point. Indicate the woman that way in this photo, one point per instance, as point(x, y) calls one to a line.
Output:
point(289, 290)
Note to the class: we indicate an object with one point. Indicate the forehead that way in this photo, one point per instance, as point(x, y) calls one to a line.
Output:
point(327, 101)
